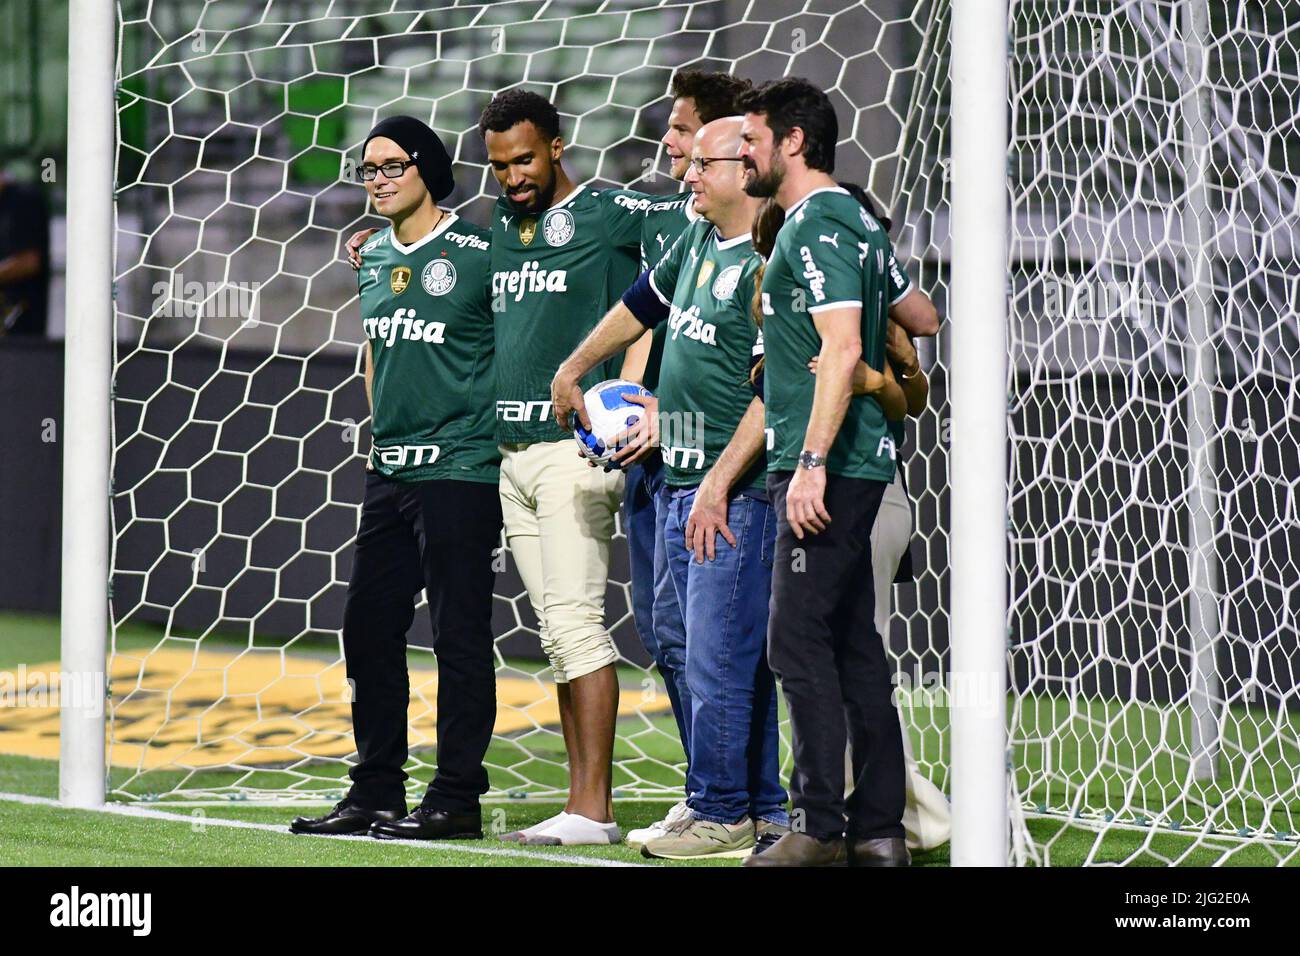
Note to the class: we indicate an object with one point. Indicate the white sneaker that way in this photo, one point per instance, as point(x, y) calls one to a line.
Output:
point(521, 836)
point(573, 829)
point(694, 838)
point(638, 838)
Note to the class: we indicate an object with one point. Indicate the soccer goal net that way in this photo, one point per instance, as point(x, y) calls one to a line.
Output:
point(1152, 653)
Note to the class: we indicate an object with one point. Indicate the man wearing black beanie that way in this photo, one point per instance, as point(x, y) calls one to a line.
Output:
point(431, 515)
point(423, 147)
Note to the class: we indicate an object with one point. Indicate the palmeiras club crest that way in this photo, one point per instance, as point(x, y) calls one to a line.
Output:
point(724, 286)
point(438, 277)
point(557, 227)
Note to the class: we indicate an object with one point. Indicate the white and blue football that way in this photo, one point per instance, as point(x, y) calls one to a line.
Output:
point(610, 414)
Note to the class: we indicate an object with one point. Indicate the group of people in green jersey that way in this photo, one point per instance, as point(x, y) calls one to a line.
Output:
point(762, 491)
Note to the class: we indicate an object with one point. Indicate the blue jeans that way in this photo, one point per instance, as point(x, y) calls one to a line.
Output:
point(641, 496)
point(734, 771)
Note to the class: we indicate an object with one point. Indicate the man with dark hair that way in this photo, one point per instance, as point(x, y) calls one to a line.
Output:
point(431, 515)
point(561, 254)
point(24, 258)
point(826, 295)
point(787, 105)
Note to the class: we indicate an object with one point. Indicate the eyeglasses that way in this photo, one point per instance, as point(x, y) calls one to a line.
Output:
point(701, 163)
point(366, 172)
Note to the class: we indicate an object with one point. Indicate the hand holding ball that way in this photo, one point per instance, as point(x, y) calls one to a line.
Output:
point(611, 416)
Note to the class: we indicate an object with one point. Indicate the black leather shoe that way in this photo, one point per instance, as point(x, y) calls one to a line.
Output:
point(882, 851)
point(766, 836)
point(800, 849)
point(426, 824)
point(346, 817)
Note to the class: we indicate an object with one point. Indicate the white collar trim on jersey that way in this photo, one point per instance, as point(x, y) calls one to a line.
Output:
point(691, 212)
point(823, 189)
point(446, 220)
point(563, 202)
point(732, 242)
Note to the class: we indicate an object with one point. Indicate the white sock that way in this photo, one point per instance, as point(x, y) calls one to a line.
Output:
point(521, 836)
point(574, 830)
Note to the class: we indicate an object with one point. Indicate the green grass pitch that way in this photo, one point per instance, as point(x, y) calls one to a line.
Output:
point(42, 834)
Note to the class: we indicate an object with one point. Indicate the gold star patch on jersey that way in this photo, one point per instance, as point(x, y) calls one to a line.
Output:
point(527, 229)
point(706, 270)
point(399, 279)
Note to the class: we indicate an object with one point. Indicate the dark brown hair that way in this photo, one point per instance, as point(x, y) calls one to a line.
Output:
point(715, 95)
point(793, 102)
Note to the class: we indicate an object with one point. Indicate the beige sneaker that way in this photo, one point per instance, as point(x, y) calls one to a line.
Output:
point(638, 838)
point(690, 839)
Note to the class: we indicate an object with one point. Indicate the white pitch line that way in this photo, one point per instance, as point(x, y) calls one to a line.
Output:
point(448, 845)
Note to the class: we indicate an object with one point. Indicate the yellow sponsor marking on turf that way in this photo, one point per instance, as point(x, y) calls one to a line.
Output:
point(256, 707)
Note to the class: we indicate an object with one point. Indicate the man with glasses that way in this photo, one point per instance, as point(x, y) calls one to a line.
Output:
point(431, 515)
point(699, 97)
point(718, 530)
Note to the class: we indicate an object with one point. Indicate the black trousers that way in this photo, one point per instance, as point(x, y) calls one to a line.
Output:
point(436, 535)
point(823, 647)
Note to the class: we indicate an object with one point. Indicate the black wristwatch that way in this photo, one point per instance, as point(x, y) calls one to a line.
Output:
point(808, 459)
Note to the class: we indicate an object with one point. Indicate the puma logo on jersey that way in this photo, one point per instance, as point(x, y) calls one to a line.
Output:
point(816, 278)
point(690, 324)
point(530, 278)
point(536, 411)
point(833, 239)
point(661, 239)
point(403, 324)
point(374, 273)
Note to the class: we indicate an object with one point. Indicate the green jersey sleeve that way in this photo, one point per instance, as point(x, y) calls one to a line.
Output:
point(663, 277)
point(827, 265)
point(623, 212)
point(899, 282)
point(878, 289)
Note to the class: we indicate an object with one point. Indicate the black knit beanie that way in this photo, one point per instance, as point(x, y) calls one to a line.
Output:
point(422, 145)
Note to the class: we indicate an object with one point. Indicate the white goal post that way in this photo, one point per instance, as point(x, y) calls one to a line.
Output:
point(88, 374)
point(978, 311)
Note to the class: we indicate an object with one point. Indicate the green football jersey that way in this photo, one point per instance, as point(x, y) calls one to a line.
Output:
point(428, 322)
point(899, 285)
point(707, 284)
point(829, 254)
point(554, 276)
point(664, 222)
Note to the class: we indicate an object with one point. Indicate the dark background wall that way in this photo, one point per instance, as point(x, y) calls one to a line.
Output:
point(31, 394)
point(237, 483)
point(235, 496)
